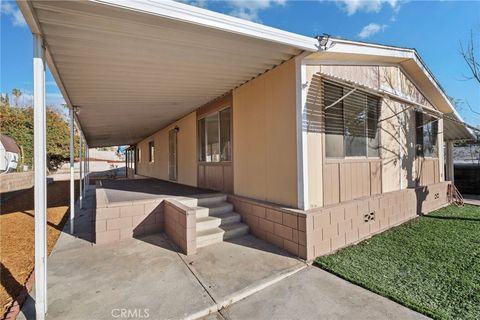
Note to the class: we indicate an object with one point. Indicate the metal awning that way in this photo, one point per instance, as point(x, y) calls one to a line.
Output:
point(347, 52)
point(133, 67)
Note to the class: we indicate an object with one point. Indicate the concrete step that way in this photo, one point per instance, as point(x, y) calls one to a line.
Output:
point(213, 208)
point(207, 199)
point(214, 221)
point(216, 235)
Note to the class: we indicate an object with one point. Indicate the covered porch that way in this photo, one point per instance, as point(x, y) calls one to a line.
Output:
point(126, 71)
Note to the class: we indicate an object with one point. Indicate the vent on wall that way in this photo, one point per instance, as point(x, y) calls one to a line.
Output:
point(369, 216)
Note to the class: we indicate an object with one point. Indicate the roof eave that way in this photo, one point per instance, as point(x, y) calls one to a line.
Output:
point(210, 19)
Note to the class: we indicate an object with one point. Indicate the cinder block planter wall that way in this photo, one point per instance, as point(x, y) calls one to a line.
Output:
point(285, 228)
point(129, 219)
point(327, 229)
point(123, 220)
point(180, 225)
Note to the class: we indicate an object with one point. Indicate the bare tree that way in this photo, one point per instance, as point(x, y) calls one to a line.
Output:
point(469, 53)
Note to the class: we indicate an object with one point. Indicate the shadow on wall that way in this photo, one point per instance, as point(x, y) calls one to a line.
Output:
point(396, 127)
point(421, 195)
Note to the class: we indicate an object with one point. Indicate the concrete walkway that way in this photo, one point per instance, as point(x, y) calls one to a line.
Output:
point(473, 199)
point(245, 278)
point(95, 281)
point(316, 294)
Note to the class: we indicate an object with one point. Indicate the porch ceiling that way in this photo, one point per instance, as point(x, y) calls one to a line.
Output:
point(136, 67)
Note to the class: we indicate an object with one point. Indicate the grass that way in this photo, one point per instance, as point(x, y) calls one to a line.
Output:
point(430, 264)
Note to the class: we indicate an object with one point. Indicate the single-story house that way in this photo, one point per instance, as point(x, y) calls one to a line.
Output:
point(317, 142)
point(9, 153)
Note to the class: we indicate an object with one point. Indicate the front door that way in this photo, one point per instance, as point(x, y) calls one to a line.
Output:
point(172, 154)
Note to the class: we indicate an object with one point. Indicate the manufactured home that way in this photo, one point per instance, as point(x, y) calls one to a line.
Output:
point(310, 143)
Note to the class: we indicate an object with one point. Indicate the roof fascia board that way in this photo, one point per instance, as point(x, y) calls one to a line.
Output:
point(330, 62)
point(339, 47)
point(371, 45)
point(206, 18)
point(354, 47)
point(28, 12)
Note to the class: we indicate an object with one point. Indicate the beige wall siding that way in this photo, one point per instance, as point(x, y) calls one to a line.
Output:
point(366, 75)
point(338, 181)
point(391, 133)
point(388, 78)
point(264, 137)
point(187, 152)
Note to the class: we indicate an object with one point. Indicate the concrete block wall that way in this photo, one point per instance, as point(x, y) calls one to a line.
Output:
point(123, 220)
point(180, 225)
point(322, 231)
point(16, 181)
point(285, 228)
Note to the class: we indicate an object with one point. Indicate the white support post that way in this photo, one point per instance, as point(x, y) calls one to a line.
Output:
point(450, 168)
point(302, 146)
point(80, 182)
point(84, 167)
point(87, 163)
point(72, 169)
point(87, 171)
point(40, 167)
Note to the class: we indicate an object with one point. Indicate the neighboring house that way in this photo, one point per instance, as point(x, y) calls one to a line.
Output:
point(318, 142)
point(9, 154)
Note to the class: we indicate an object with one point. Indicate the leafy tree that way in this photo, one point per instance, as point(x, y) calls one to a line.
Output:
point(18, 124)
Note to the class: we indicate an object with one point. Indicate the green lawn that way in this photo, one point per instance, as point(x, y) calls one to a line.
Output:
point(430, 264)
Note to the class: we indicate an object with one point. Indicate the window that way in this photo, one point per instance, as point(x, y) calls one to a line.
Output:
point(225, 141)
point(426, 135)
point(212, 125)
point(214, 137)
point(201, 140)
point(351, 124)
point(151, 151)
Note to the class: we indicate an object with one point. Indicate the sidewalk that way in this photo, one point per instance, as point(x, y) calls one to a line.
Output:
point(473, 199)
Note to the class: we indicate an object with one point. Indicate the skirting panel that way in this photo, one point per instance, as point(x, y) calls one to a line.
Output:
point(322, 231)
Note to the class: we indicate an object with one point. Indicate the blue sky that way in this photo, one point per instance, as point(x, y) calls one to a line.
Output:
point(435, 29)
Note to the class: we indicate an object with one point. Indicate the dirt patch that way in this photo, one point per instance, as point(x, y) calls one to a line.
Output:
point(17, 236)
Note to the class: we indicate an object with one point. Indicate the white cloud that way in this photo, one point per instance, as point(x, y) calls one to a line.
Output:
point(354, 6)
point(244, 9)
point(371, 29)
point(7, 9)
point(249, 9)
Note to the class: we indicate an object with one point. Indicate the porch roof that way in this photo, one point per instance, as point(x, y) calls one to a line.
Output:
point(348, 52)
point(134, 67)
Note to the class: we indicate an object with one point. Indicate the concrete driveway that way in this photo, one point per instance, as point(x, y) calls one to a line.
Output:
point(148, 275)
point(244, 279)
point(316, 294)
